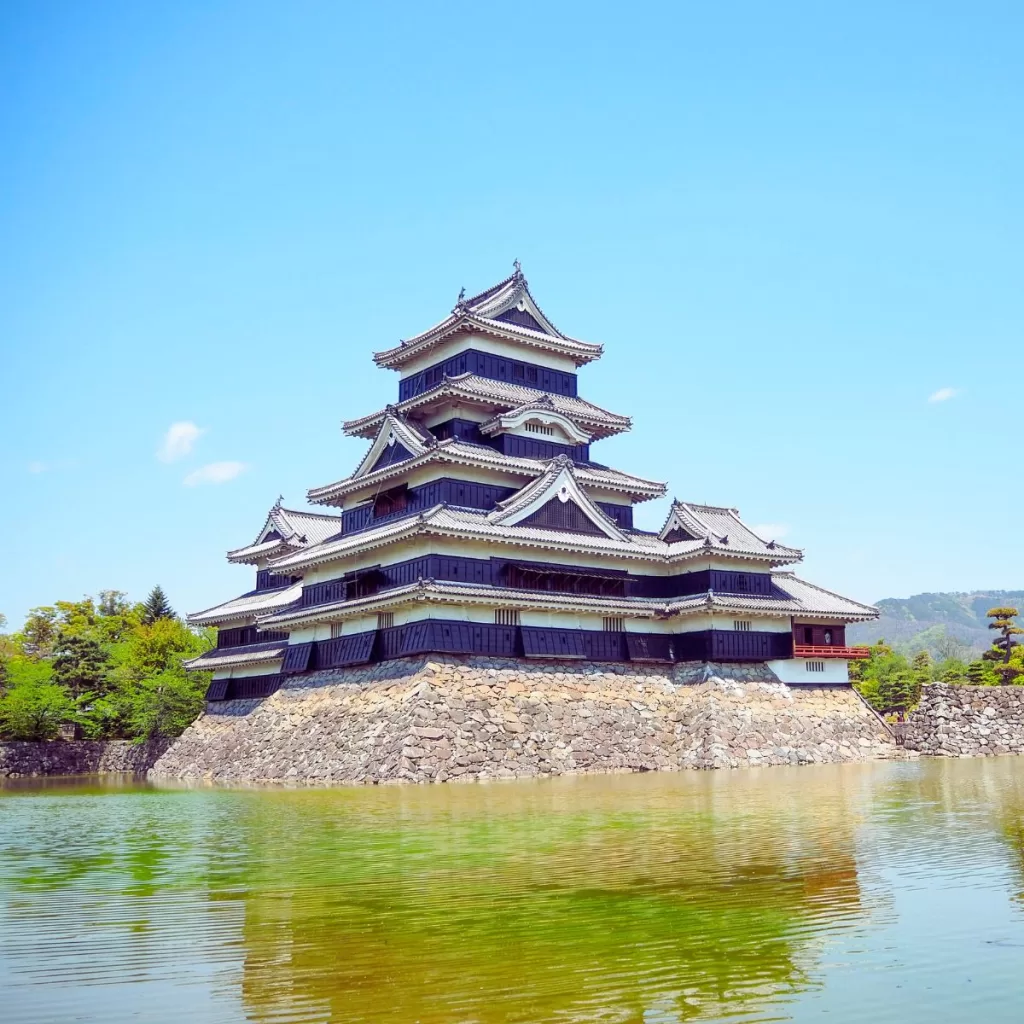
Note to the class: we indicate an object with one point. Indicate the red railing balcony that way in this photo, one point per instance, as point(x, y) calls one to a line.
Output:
point(830, 651)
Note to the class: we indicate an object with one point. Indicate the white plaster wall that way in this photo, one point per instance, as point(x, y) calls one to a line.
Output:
point(511, 350)
point(259, 668)
point(794, 671)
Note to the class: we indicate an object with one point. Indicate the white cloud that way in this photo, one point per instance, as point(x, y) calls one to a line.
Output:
point(37, 467)
point(179, 441)
point(771, 531)
point(942, 395)
point(214, 473)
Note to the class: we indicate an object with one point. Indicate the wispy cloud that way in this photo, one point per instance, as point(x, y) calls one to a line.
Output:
point(214, 473)
point(942, 395)
point(179, 441)
point(771, 531)
point(37, 467)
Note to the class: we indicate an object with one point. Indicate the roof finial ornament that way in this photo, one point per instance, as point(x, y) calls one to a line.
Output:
point(460, 303)
point(518, 268)
point(279, 502)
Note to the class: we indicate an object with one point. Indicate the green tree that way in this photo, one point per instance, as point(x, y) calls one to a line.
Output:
point(35, 710)
point(40, 632)
point(899, 691)
point(156, 606)
point(979, 673)
point(921, 666)
point(1003, 645)
point(871, 675)
point(79, 664)
point(166, 704)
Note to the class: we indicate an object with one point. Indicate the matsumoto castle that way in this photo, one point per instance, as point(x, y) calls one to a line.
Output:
point(479, 523)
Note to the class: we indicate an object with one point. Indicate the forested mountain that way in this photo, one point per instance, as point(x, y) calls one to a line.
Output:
point(936, 622)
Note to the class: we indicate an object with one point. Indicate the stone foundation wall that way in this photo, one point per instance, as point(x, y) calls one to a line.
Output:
point(78, 757)
point(444, 718)
point(962, 721)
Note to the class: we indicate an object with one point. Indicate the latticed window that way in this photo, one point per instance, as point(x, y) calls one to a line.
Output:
point(741, 625)
point(336, 628)
point(385, 620)
point(506, 616)
point(539, 428)
point(613, 624)
point(814, 666)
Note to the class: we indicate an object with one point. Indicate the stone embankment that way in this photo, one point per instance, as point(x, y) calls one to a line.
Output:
point(78, 757)
point(445, 718)
point(967, 721)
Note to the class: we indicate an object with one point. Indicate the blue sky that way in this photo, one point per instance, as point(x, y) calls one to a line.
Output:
point(791, 225)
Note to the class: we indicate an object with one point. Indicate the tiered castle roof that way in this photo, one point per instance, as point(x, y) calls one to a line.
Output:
point(478, 496)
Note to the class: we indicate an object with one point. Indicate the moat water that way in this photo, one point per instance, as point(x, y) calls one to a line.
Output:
point(847, 893)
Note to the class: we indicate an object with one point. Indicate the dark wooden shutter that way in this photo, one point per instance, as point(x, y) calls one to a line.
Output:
point(649, 647)
point(217, 690)
point(296, 658)
point(553, 643)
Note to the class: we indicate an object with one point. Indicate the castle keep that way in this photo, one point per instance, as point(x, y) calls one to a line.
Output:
point(481, 523)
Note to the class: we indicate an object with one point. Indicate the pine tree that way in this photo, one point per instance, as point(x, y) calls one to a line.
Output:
point(80, 664)
point(922, 667)
point(978, 674)
point(156, 607)
point(1003, 645)
point(899, 691)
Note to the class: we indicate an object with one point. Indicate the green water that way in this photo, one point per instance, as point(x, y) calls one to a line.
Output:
point(881, 892)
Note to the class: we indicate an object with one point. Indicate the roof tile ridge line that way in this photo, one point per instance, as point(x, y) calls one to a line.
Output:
point(734, 514)
point(832, 593)
point(309, 512)
point(453, 382)
point(493, 323)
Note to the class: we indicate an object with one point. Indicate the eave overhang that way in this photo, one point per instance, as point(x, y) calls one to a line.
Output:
point(460, 453)
point(460, 525)
point(245, 608)
point(496, 397)
point(481, 313)
point(439, 592)
point(237, 657)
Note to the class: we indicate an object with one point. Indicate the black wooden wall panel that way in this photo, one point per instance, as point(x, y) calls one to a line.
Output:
point(561, 515)
point(243, 636)
point(218, 689)
point(649, 647)
point(298, 658)
point(621, 515)
point(605, 646)
point(485, 364)
point(517, 446)
point(539, 642)
point(254, 687)
point(464, 493)
point(355, 649)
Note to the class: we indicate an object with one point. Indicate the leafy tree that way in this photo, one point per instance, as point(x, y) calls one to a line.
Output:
point(166, 704)
point(156, 606)
point(1003, 620)
point(35, 710)
point(874, 676)
point(80, 664)
point(40, 632)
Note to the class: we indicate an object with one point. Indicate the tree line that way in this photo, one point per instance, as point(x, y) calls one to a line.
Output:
point(891, 682)
point(103, 668)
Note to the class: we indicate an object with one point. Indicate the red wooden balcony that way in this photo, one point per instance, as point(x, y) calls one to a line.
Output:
point(830, 651)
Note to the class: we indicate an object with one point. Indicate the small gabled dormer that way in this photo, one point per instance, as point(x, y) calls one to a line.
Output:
point(555, 501)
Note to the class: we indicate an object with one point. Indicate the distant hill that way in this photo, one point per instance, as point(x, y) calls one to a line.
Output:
point(936, 622)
